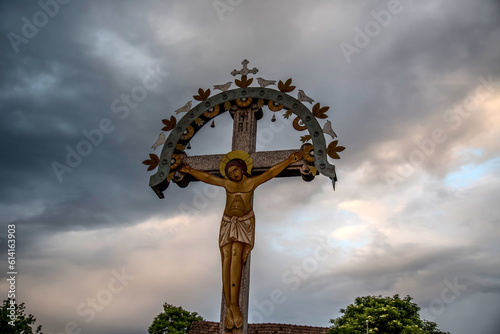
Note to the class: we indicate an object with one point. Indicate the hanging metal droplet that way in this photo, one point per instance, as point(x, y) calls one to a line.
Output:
point(188, 146)
point(274, 118)
point(213, 124)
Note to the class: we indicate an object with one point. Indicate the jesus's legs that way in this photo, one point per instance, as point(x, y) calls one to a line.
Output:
point(226, 285)
point(232, 264)
point(236, 268)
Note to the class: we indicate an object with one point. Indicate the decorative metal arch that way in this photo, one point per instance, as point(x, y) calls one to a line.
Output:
point(159, 181)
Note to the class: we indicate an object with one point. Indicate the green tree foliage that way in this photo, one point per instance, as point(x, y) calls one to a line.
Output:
point(385, 315)
point(173, 320)
point(16, 322)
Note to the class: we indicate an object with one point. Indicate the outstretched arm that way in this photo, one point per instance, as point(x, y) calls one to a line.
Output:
point(202, 176)
point(276, 169)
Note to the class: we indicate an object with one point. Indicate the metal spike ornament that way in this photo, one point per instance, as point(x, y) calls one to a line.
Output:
point(213, 124)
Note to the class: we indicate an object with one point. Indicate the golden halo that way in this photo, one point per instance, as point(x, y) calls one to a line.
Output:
point(236, 154)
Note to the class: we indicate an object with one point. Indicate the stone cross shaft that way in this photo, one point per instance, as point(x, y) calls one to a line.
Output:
point(245, 138)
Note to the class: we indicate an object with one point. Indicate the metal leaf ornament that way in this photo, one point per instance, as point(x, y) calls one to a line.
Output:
point(333, 149)
point(202, 95)
point(244, 82)
point(170, 176)
point(169, 123)
point(152, 162)
point(286, 87)
point(319, 112)
point(305, 138)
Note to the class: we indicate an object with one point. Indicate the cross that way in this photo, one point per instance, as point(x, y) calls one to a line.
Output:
point(244, 138)
point(244, 71)
point(245, 114)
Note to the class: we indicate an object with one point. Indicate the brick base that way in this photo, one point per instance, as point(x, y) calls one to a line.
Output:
point(209, 327)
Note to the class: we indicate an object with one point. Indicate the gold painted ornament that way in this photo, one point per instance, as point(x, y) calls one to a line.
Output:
point(152, 162)
point(273, 106)
point(202, 95)
point(298, 124)
point(309, 153)
point(212, 112)
point(176, 161)
point(305, 138)
point(170, 176)
point(319, 112)
point(333, 149)
point(244, 101)
point(244, 82)
point(169, 123)
point(188, 133)
point(286, 87)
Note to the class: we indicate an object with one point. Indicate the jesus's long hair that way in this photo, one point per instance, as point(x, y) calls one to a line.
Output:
point(238, 163)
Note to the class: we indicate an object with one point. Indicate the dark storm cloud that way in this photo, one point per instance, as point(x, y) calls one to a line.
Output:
point(405, 74)
point(65, 79)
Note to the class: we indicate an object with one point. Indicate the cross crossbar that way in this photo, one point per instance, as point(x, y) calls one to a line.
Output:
point(261, 162)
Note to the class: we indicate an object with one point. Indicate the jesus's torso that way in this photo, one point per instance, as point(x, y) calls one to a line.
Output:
point(238, 198)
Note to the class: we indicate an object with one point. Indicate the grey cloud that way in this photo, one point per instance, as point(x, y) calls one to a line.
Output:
point(428, 59)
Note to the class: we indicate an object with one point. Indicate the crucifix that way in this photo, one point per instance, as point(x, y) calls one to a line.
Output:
point(241, 170)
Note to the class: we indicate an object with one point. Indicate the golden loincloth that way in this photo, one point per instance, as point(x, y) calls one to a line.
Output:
point(241, 229)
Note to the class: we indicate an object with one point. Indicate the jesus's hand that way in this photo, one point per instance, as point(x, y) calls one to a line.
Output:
point(296, 156)
point(184, 169)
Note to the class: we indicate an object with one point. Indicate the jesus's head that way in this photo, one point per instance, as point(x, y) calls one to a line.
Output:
point(236, 169)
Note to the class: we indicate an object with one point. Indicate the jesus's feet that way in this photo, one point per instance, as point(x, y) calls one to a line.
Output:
point(229, 322)
point(237, 317)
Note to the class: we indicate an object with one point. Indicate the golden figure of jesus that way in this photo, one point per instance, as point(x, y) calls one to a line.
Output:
point(237, 231)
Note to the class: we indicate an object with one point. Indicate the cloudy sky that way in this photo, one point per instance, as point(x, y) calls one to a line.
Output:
point(414, 91)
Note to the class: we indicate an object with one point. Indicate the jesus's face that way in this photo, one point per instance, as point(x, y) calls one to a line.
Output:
point(235, 173)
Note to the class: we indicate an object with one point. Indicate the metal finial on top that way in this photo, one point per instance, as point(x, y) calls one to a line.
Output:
point(244, 70)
